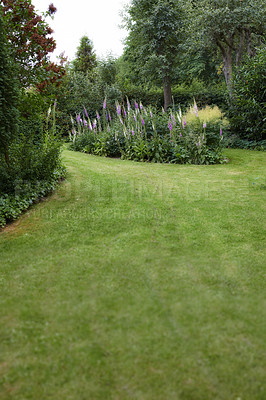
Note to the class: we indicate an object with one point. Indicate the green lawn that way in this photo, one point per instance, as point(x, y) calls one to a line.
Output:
point(138, 281)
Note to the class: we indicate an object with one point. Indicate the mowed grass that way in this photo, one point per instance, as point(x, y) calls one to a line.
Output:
point(138, 281)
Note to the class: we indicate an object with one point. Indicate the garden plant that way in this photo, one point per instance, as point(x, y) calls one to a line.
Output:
point(144, 134)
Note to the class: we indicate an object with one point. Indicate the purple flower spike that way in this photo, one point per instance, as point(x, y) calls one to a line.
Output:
point(180, 134)
point(204, 125)
point(97, 114)
point(151, 114)
point(184, 123)
point(104, 104)
point(86, 112)
point(85, 122)
point(142, 121)
point(78, 118)
point(221, 131)
point(136, 105)
point(170, 126)
point(118, 109)
point(196, 113)
point(125, 113)
point(133, 133)
point(109, 115)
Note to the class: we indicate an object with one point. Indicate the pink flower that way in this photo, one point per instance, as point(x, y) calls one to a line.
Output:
point(86, 112)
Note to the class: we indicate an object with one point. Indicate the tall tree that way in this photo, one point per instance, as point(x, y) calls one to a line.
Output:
point(8, 93)
point(235, 27)
point(155, 30)
point(31, 42)
point(85, 57)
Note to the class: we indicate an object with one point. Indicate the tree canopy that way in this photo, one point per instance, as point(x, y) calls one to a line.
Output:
point(31, 42)
point(155, 30)
point(85, 60)
point(235, 27)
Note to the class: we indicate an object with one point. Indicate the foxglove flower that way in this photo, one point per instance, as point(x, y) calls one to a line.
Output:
point(204, 125)
point(118, 109)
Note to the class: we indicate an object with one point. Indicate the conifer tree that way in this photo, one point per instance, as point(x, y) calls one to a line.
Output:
point(85, 57)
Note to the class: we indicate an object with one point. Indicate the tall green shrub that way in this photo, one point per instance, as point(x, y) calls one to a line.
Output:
point(249, 95)
point(8, 94)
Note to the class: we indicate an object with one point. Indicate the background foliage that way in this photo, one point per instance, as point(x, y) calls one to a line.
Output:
point(248, 112)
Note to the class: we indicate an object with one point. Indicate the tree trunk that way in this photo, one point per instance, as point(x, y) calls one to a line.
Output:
point(227, 50)
point(250, 49)
point(228, 70)
point(167, 92)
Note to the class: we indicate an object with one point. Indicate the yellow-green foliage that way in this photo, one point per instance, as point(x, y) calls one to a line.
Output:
point(205, 115)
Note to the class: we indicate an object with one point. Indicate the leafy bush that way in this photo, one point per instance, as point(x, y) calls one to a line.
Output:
point(33, 169)
point(26, 194)
point(182, 94)
point(140, 134)
point(247, 113)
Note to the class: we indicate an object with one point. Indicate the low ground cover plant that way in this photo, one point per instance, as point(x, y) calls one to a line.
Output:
point(137, 133)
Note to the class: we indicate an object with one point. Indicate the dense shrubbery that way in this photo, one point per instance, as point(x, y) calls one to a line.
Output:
point(140, 134)
point(247, 114)
point(183, 95)
point(34, 166)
